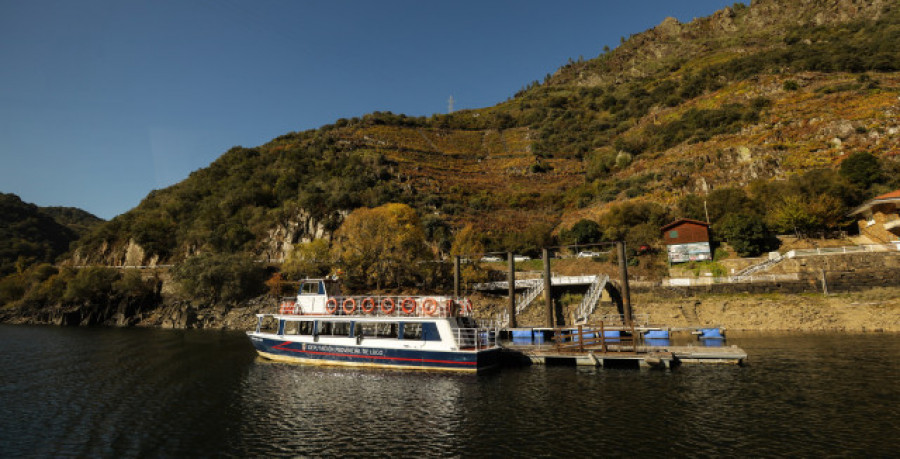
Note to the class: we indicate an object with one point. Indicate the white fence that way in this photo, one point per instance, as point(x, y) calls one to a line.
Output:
point(841, 250)
point(764, 278)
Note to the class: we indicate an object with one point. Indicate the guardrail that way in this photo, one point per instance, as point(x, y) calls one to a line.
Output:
point(599, 336)
point(840, 250)
point(475, 338)
point(387, 306)
point(763, 278)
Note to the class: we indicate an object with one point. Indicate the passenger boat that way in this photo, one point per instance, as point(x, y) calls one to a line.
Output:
point(422, 333)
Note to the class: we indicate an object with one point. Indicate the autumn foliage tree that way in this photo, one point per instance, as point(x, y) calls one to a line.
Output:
point(308, 259)
point(382, 246)
point(467, 244)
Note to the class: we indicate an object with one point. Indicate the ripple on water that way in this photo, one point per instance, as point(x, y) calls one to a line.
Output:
point(100, 392)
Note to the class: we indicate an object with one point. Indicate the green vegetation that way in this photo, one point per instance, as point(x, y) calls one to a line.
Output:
point(216, 278)
point(386, 194)
point(28, 235)
point(42, 285)
point(77, 220)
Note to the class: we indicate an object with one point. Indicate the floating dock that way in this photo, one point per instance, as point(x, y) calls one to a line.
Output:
point(612, 347)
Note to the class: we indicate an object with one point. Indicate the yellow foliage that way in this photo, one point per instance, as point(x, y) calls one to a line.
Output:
point(381, 246)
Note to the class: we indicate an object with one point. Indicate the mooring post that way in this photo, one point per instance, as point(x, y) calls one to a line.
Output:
point(824, 284)
point(512, 290)
point(456, 277)
point(548, 297)
point(626, 292)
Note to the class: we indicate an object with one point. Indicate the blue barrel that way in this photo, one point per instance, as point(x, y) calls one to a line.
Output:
point(711, 333)
point(663, 334)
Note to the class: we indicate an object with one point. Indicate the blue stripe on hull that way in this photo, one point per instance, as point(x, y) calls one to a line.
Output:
point(367, 356)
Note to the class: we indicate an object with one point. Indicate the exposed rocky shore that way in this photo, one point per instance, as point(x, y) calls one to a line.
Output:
point(874, 310)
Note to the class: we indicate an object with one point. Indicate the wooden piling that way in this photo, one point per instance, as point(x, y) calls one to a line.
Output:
point(456, 276)
point(548, 297)
point(512, 290)
point(626, 292)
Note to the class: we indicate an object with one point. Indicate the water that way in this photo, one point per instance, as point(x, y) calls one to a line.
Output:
point(125, 393)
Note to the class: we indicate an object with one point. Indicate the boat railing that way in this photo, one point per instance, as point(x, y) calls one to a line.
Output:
point(387, 306)
point(475, 338)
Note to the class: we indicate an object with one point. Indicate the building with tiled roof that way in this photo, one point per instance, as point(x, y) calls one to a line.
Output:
point(879, 218)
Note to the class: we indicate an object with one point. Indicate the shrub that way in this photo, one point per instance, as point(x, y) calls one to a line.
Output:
point(220, 277)
point(746, 233)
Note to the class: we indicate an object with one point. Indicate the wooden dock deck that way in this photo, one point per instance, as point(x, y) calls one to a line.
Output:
point(643, 357)
point(601, 345)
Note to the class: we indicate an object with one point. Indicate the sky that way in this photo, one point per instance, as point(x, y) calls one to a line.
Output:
point(103, 101)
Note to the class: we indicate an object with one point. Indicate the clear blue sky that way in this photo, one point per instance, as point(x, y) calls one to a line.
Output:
point(103, 101)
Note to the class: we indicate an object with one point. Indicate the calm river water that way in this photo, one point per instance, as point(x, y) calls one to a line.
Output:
point(126, 393)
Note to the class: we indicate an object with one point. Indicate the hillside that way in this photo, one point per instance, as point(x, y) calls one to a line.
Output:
point(78, 220)
point(28, 235)
point(749, 94)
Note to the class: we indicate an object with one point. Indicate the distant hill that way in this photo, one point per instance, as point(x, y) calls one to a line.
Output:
point(78, 220)
point(28, 234)
point(749, 95)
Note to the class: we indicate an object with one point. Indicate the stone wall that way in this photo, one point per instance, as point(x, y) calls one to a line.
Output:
point(851, 262)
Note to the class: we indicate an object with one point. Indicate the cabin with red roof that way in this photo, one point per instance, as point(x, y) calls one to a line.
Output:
point(879, 218)
point(687, 240)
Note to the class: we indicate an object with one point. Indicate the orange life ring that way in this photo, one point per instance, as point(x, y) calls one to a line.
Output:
point(408, 301)
point(331, 306)
point(367, 305)
point(352, 304)
point(387, 310)
point(430, 306)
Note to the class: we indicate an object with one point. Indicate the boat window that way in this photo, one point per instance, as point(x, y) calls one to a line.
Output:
point(387, 330)
point(376, 329)
point(335, 328)
point(366, 329)
point(291, 327)
point(430, 332)
point(412, 331)
point(269, 324)
point(306, 327)
point(309, 288)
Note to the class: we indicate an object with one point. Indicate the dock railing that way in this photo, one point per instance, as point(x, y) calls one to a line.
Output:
point(596, 337)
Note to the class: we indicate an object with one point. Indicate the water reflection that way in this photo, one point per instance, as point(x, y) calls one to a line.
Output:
point(125, 393)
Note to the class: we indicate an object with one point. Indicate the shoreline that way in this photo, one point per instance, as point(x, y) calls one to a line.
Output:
point(869, 311)
point(874, 310)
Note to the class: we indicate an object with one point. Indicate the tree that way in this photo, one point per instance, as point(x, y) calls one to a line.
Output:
point(690, 206)
point(307, 259)
point(467, 243)
point(747, 234)
point(217, 277)
point(724, 201)
point(583, 232)
point(803, 215)
point(381, 245)
point(861, 169)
